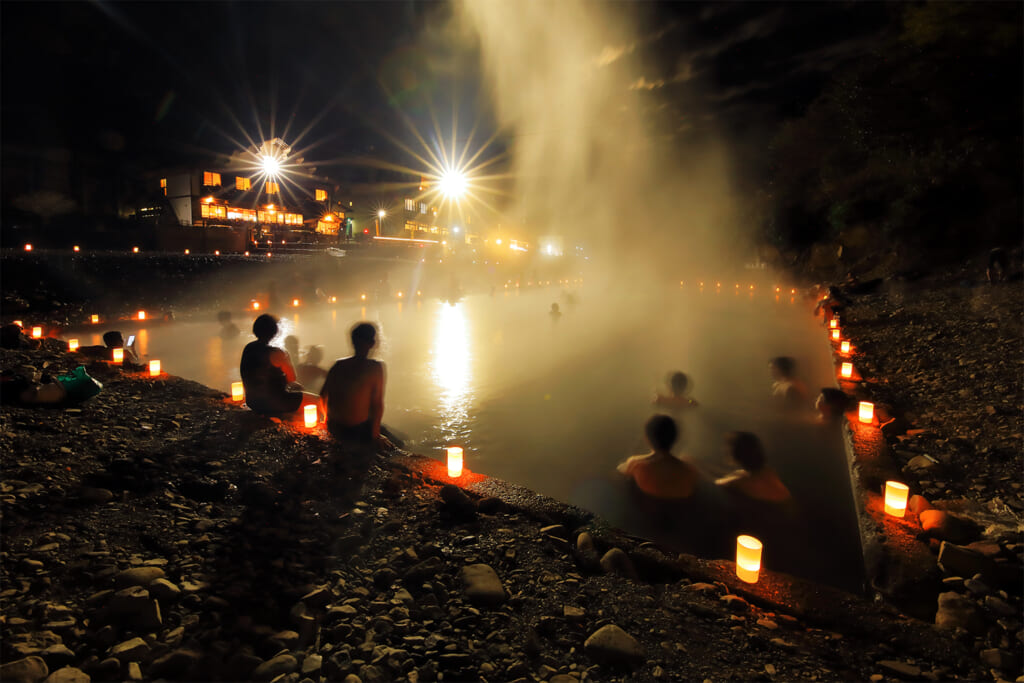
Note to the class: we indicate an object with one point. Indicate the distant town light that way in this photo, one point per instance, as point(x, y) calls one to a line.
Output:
point(216, 252)
point(187, 252)
point(246, 253)
point(135, 250)
point(28, 247)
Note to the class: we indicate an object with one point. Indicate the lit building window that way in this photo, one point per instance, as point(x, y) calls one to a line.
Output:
point(423, 207)
point(272, 187)
point(163, 185)
point(410, 204)
point(321, 195)
point(236, 214)
point(213, 211)
point(211, 179)
point(242, 183)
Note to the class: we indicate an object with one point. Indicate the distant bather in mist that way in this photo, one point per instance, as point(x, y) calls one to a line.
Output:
point(659, 474)
point(678, 384)
point(353, 393)
point(311, 375)
point(228, 329)
point(755, 479)
point(291, 345)
point(555, 313)
point(269, 377)
point(787, 390)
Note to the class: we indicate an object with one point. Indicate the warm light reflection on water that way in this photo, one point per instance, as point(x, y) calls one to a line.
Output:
point(451, 369)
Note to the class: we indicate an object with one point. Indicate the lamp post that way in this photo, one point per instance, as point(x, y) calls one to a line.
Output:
point(380, 218)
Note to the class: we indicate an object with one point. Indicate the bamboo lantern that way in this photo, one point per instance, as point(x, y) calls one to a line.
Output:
point(846, 370)
point(118, 355)
point(844, 348)
point(455, 461)
point(37, 332)
point(309, 416)
point(154, 368)
point(896, 498)
point(748, 558)
point(835, 335)
point(72, 344)
point(237, 392)
point(866, 412)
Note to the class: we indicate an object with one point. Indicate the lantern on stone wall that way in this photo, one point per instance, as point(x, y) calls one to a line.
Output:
point(748, 558)
point(866, 412)
point(154, 368)
point(844, 348)
point(237, 392)
point(72, 344)
point(835, 335)
point(846, 370)
point(454, 461)
point(896, 498)
point(309, 415)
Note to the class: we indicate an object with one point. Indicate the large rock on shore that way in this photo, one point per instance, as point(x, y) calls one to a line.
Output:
point(26, 670)
point(482, 585)
point(956, 611)
point(611, 645)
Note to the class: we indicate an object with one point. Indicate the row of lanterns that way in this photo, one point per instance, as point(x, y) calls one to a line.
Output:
point(135, 250)
point(896, 492)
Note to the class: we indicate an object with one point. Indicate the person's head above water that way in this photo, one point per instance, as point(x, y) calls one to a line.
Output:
point(113, 339)
point(291, 344)
point(224, 317)
point(832, 403)
point(554, 308)
point(745, 448)
point(661, 432)
point(782, 367)
point(314, 355)
point(364, 337)
point(265, 327)
point(678, 382)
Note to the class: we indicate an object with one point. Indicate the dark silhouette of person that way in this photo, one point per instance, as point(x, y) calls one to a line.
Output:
point(659, 474)
point(310, 374)
point(787, 390)
point(113, 339)
point(678, 384)
point(268, 375)
point(353, 392)
point(831, 404)
point(555, 313)
point(754, 479)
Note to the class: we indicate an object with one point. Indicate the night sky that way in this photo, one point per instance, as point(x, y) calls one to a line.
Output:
point(159, 83)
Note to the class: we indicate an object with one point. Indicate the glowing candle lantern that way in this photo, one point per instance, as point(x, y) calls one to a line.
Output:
point(748, 558)
point(896, 498)
point(237, 392)
point(334, 299)
point(187, 252)
point(846, 370)
point(255, 305)
point(95, 318)
point(76, 248)
point(295, 303)
point(844, 348)
point(269, 254)
point(866, 412)
point(37, 332)
point(72, 344)
point(154, 368)
point(399, 295)
point(362, 297)
point(118, 355)
point(309, 415)
point(246, 253)
point(835, 335)
point(28, 247)
point(135, 250)
point(833, 323)
point(141, 315)
point(454, 461)
point(216, 252)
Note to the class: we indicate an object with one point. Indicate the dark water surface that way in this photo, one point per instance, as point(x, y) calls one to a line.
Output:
point(555, 404)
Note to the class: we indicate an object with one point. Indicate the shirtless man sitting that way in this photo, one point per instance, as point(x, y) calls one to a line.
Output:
point(755, 480)
point(353, 393)
point(659, 474)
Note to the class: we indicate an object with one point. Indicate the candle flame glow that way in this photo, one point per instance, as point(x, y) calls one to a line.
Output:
point(95, 318)
point(310, 417)
point(846, 370)
point(72, 344)
point(237, 391)
point(844, 347)
point(454, 461)
point(748, 558)
point(896, 498)
point(154, 368)
point(835, 335)
point(37, 332)
point(866, 412)
point(118, 355)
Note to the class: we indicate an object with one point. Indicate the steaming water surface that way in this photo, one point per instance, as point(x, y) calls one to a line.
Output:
point(555, 404)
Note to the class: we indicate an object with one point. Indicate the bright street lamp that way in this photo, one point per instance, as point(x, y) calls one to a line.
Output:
point(270, 165)
point(380, 217)
point(453, 184)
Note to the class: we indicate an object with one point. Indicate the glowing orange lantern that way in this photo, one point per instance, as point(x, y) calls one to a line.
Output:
point(28, 247)
point(363, 297)
point(37, 332)
point(295, 302)
point(118, 355)
point(896, 498)
point(334, 299)
point(844, 348)
point(309, 414)
point(255, 305)
point(72, 344)
point(833, 323)
point(95, 318)
point(269, 254)
point(835, 335)
point(399, 295)
point(187, 252)
point(246, 253)
point(866, 412)
point(216, 252)
point(454, 461)
point(154, 368)
point(237, 391)
point(135, 250)
point(748, 558)
point(141, 315)
point(846, 370)
point(76, 248)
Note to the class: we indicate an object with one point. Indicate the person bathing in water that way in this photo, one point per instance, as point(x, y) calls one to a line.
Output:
point(353, 393)
point(678, 384)
point(787, 390)
point(659, 474)
point(754, 479)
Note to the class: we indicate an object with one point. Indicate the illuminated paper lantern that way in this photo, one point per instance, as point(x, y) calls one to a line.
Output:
point(237, 391)
point(246, 253)
point(748, 558)
point(295, 303)
point(187, 252)
point(362, 297)
point(28, 247)
point(72, 344)
point(454, 461)
point(896, 498)
point(255, 305)
point(866, 412)
point(135, 250)
point(76, 248)
point(37, 332)
point(833, 323)
point(118, 355)
point(309, 414)
point(141, 315)
point(154, 368)
point(835, 335)
point(216, 252)
point(844, 348)
point(846, 370)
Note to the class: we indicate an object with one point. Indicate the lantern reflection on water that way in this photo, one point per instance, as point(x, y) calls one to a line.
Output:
point(454, 461)
point(866, 412)
point(896, 498)
point(748, 558)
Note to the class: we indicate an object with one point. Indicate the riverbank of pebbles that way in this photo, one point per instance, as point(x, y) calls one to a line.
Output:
point(159, 532)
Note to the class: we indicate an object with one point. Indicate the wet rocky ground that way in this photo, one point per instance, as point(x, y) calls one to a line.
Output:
point(157, 531)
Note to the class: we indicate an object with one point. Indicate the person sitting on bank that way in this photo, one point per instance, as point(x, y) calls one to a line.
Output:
point(754, 479)
point(659, 474)
point(113, 339)
point(787, 390)
point(353, 392)
point(311, 375)
point(268, 375)
point(678, 384)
